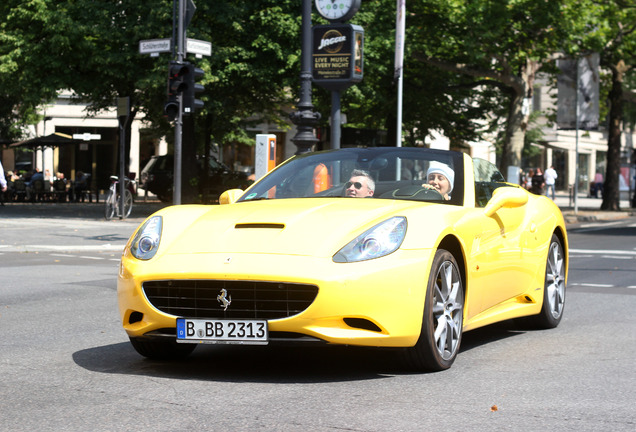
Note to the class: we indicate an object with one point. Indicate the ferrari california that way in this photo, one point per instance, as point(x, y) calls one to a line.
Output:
point(439, 245)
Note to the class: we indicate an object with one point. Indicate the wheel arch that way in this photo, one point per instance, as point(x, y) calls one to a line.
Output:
point(561, 235)
point(454, 246)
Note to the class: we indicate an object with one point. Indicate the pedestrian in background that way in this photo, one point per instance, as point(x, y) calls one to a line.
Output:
point(538, 182)
point(598, 184)
point(3, 184)
point(550, 177)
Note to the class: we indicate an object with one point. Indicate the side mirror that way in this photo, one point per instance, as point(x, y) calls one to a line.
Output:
point(230, 196)
point(506, 197)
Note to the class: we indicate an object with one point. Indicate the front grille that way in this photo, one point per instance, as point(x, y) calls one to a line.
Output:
point(198, 298)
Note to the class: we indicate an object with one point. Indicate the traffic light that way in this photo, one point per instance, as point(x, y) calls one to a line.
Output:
point(177, 83)
point(190, 102)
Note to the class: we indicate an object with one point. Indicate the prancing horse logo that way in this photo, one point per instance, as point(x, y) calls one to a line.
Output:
point(222, 298)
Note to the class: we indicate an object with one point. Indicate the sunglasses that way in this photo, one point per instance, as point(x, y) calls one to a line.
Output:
point(357, 185)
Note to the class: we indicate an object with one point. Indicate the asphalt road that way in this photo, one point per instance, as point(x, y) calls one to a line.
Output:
point(66, 363)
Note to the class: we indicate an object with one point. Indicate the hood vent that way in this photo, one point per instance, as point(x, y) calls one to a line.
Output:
point(260, 225)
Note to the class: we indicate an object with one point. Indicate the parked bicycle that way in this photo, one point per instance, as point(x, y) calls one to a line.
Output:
point(113, 199)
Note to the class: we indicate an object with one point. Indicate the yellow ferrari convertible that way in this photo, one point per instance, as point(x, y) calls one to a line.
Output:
point(402, 248)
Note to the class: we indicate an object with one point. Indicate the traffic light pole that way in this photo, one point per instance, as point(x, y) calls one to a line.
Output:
point(178, 128)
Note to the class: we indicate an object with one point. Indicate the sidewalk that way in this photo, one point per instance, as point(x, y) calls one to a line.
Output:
point(85, 210)
point(588, 209)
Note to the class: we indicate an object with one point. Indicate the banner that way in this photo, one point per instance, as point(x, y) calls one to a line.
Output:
point(586, 70)
point(400, 26)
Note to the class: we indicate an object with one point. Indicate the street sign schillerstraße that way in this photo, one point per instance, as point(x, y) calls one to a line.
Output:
point(154, 46)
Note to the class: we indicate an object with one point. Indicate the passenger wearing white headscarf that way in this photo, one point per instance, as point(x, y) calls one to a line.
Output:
point(441, 178)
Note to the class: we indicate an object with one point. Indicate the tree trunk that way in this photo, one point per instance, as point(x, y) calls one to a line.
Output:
point(518, 116)
point(515, 134)
point(611, 191)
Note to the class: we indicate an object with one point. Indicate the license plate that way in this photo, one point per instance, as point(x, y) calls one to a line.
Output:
point(249, 332)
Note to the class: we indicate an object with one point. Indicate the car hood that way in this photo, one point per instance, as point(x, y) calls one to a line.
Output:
point(310, 227)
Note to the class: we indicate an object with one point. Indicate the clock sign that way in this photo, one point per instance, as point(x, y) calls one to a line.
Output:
point(337, 10)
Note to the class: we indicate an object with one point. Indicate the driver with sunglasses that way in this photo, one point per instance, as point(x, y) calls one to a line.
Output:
point(360, 185)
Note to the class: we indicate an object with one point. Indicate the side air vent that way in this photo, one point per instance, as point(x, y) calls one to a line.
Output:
point(362, 323)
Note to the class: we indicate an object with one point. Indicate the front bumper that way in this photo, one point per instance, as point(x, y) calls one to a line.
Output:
point(372, 303)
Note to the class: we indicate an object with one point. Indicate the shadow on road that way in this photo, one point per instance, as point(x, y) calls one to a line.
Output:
point(270, 364)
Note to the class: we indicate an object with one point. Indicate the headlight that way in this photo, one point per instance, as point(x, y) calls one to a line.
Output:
point(146, 242)
point(377, 242)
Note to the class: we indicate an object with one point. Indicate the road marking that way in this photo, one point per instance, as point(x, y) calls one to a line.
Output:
point(596, 285)
point(600, 224)
point(66, 248)
point(603, 252)
point(91, 257)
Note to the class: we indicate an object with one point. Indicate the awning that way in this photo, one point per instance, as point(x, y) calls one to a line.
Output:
point(56, 139)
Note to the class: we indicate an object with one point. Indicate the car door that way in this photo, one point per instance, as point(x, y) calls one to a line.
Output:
point(497, 256)
point(497, 252)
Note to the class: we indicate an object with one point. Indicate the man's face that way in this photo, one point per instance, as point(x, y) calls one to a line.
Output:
point(357, 187)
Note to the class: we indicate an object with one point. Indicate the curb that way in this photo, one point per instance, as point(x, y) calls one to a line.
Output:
point(595, 215)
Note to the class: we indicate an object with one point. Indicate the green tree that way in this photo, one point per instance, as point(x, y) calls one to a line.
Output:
point(30, 37)
point(611, 31)
point(497, 44)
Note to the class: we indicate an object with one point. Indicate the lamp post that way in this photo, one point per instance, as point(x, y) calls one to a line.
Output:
point(304, 117)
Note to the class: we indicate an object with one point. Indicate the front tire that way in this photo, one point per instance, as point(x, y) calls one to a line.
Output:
point(161, 349)
point(553, 289)
point(128, 203)
point(443, 318)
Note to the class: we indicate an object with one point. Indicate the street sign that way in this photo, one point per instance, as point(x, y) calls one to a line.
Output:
point(154, 46)
point(87, 136)
point(199, 47)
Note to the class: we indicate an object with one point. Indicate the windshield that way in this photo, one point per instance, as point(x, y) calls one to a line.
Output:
point(379, 172)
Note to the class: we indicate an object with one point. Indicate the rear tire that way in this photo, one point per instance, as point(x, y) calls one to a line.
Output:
point(443, 318)
point(553, 289)
point(161, 349)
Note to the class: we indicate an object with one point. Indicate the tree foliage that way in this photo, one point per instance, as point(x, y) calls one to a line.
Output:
point(469, 64)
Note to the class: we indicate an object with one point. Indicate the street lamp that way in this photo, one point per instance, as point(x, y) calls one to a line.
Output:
point(304, 117)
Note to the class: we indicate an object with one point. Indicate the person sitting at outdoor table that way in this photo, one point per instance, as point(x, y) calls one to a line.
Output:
point(80, 185)
point(59, 185)
point(33, 191)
